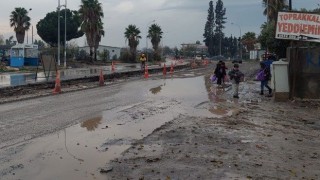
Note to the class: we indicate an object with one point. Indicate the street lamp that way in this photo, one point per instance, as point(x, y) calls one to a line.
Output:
point(30, 9)
point(65, 31)
point(147, 37)
point(240, 39)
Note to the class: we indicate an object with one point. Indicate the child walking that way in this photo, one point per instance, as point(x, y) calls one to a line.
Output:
point(235, 76)
point(266, 75)
point(220, 72)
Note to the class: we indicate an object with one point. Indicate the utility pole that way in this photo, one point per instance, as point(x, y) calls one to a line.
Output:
point(58, 8)
point(65, 34)
point(290, 5)
point(240, 39)
point(147, 38)
point(58, 32)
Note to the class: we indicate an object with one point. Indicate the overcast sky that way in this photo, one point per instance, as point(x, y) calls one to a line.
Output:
point(182, 21)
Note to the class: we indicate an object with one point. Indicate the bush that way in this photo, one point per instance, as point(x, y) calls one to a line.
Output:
point(82, 55)
point(125, 57)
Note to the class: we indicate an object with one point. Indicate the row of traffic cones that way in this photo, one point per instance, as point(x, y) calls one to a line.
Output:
point(205, 62)
point(146, 72)
point(57, 87)
point(165, 69)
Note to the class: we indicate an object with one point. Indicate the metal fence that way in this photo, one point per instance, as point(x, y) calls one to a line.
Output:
point(304, 72)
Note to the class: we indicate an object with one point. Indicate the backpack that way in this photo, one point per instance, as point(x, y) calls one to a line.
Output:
point(261, 75)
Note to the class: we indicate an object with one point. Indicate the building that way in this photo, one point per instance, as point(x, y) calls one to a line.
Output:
point(114, 52)
point(199, 48)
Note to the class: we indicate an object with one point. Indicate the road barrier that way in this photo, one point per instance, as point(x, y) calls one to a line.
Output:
point(101, 79)
point(57, 87)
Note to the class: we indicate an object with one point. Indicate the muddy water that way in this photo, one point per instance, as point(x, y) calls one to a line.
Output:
point(79, 151)
point(15, 79)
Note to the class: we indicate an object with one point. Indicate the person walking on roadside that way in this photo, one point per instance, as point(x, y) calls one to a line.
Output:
point(236, 77)
point(143, 60)
point(264, 76)
point(225, 77)
point(220, 72)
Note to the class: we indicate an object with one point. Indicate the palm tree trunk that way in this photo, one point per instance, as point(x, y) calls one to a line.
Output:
point(20, 37)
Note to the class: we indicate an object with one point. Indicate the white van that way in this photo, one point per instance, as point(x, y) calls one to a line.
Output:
point(198, 57)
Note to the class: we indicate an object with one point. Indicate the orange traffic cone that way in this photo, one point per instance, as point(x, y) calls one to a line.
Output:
point(112, 67)
point(164, 69)
point(146, 73)
point(171, 69)
point(57, 86)
point(101, 79)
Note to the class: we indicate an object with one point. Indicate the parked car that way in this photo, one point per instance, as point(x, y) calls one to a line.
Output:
point(218, 58)
point(200, 57)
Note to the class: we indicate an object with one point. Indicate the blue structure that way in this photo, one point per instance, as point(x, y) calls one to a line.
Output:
point(24, 55)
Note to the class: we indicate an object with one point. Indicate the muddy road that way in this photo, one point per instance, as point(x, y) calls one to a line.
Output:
point(182, 127)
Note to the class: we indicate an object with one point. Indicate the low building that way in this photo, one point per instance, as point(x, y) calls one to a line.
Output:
point(114, 52)
point(199, 48)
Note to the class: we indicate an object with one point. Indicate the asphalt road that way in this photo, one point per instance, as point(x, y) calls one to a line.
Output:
point(28, 119)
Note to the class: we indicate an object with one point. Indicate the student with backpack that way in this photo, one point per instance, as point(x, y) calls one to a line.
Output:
point(264, 76)
point(220, 73)
point(236, 77)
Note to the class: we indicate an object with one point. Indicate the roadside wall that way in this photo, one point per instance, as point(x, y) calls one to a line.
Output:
point(304, 72)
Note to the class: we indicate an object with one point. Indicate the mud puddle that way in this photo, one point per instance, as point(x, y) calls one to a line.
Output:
point(79, 151)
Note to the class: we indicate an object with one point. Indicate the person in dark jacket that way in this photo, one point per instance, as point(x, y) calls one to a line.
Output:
point(236, 76)
point(266, 77)
point(220, 72)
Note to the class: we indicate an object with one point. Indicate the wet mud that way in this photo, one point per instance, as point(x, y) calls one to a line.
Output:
point(183, 127)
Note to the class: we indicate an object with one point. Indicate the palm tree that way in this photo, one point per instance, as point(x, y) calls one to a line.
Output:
point(272, 7)
point(91, 15)
point(99, 35)
point(10, 41)
point(20, 20)
point(155, 34)
point(132, 35)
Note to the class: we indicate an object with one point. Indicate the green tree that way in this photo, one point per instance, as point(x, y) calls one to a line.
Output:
point(98, 38)
point(272, 7)
point(155, 34)
point(20, 20)
point(208, 30)
point(91, 15)
point(248, 40)
point(267, 35)
point(104, 55)
point(10, 41)
point(268, 41)
point(2, 42)
point(220, 21)
point(189, 51)
point(47, 27)
point(167, 50)
point(132, 34)
point(40, 44)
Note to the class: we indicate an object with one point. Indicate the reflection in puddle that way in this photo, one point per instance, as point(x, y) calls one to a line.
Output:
point(156, 90)
point(91, 124)
point(218, 111)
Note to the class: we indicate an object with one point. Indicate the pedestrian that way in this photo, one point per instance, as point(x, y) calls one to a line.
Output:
point(143, 60)
point(220, 72)
point(225, 77)
point(236, 77)
point(264, 76)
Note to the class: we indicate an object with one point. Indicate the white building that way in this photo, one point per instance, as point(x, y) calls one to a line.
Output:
point(113, 51)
